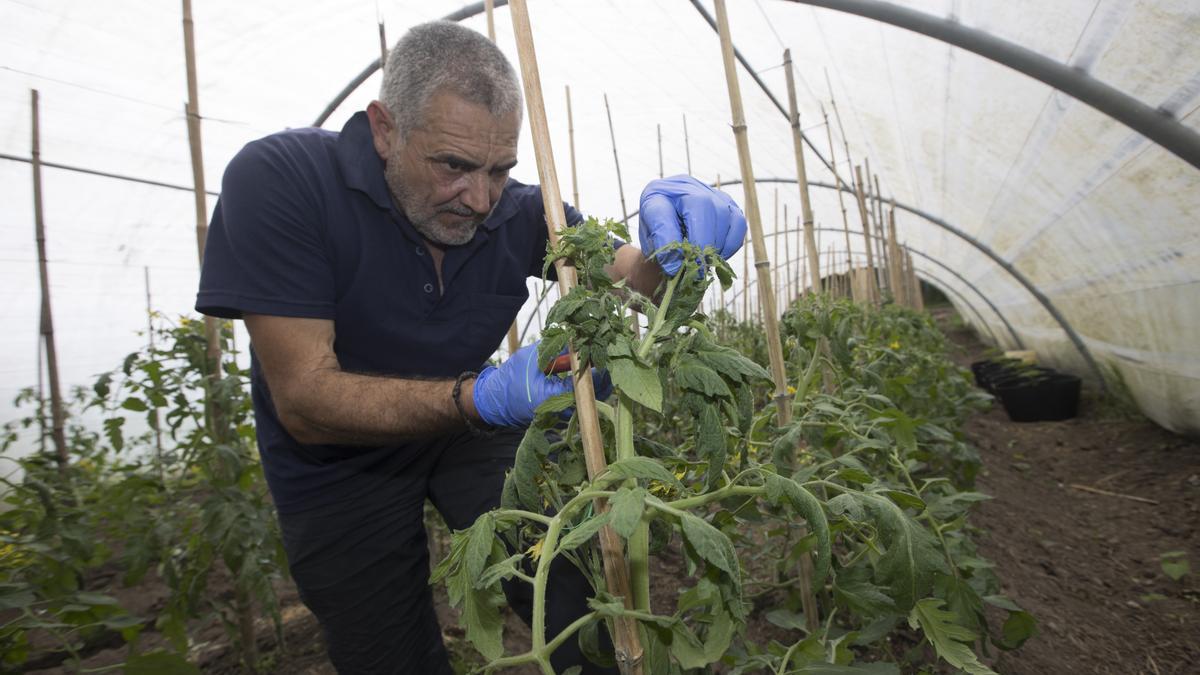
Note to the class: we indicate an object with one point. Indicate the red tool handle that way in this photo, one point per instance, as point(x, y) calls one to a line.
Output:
point(559, 365)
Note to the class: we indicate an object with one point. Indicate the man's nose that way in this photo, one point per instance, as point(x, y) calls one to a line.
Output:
point(475, 194)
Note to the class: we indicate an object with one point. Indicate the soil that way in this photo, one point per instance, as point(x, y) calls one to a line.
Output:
point(1088, 566)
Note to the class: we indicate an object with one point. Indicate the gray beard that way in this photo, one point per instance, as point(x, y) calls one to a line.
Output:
point(424, 220)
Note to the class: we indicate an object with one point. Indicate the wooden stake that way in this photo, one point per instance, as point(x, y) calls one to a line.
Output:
point(895, 274)
point(1106, 493)
point(489, 7)
point(383, 49)
point(57, 414)
point(761, 263)
point(212, 334)
point(658, 127)
point(783, 401)
point(837, 180)
point(806, 212)
point(687, 150)
point(871, 203)
point(872, 291)
point(616, 161)
point(616, 573)
point(777, 235)
point(881, 241)
point(571, 146)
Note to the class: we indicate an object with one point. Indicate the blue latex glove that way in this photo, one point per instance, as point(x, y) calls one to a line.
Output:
point(507, 395)
point(711, 218)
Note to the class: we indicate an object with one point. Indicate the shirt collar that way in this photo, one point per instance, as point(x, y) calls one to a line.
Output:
point(363, 170)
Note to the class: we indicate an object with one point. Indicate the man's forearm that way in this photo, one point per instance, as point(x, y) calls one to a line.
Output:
point(335, 407)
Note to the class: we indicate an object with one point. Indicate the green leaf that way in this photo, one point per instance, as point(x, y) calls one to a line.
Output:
point(16, 595)
point(710, 544)
point(640, 467)
point(583, 532)
point(527, 466)
point(89, 598)
point(693, 375)
point(906, 500)
point(481, 614)
point(159, 663)
point(718, 637)
point(135, 404)
point(626, 508)
point(809, 507)
point(911, 557)
point(863, 597)
point(786, 618)
point(711, 445)
point(479, 545)
point(947, 637)
point(637, 381)
point(686, 647)
point(1018, 627)
point(732, 365)
point(556, 404)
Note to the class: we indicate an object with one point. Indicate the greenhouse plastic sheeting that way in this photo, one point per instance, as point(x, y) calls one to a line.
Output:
point(1100, 219)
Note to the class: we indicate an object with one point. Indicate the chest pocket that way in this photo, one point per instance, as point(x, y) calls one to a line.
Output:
point(490, 316)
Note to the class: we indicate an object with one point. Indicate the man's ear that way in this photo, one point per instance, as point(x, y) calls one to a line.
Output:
point(383, 129)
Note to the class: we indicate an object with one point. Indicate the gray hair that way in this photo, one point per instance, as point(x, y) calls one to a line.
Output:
point(441, 55)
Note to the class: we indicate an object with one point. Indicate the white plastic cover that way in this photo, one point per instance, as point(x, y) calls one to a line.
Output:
point(1102, 220)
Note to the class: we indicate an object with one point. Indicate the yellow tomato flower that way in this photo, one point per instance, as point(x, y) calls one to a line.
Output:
point(535, 551)
point(895, 344)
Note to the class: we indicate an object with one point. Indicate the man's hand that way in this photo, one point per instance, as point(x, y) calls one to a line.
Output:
point(507, 395)
point(682, 208)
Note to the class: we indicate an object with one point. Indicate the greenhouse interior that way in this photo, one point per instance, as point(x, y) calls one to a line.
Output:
point(729, 336)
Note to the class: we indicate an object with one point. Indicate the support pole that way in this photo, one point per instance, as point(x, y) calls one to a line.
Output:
point(881, 243)
point(658, 127)
point(687, 149)
point(212, 333)
point(616, 161)
point(571, 146)
point(57, 414)
point(783, 401)
point(383, 49)
point(626, 640)
point(895, 274)
point(837, 180)
point(489, 8)
point(871, 291)
point(806, 213)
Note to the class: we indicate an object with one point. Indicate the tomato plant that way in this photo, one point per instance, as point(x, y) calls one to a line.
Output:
point(871, 466)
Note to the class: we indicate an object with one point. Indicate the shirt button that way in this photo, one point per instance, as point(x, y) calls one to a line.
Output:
point(420, 250)
point(428, 288)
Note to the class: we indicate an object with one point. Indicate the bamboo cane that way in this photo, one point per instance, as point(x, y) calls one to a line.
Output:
point(57, 414)
point(41, 395)
point(616, 161)
point(776, 235)
point(658, 127)
point(489, 8)
point(798, 286)
point(687, 149)
point(869, 197)
point(918, 296)
point(383, 50)
point(895, 274)
point(806, 212)
point(881, 241)
point(846, 146)
point(872, 291)
point(212, 334)
point(626, 640)
point(837, 180)
point(571, 146)
point(766, 291)
point(754, 218)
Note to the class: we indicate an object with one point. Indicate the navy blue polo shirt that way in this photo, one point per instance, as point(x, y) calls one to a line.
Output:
point(305, 227)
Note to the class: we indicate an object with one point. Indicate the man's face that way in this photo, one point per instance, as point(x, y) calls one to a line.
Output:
point(449, 172)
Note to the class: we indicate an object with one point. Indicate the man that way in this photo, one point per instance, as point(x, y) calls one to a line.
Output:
point(376, 271)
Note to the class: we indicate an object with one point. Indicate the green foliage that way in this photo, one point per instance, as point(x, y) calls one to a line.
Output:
point(186, 497)
point(865, 493)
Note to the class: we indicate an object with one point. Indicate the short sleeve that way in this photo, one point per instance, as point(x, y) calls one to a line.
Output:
point(266, 252)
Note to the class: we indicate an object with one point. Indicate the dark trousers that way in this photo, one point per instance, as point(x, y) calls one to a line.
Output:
point(362, 566)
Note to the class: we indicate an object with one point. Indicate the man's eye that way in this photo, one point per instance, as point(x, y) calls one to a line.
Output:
point(455, 165)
